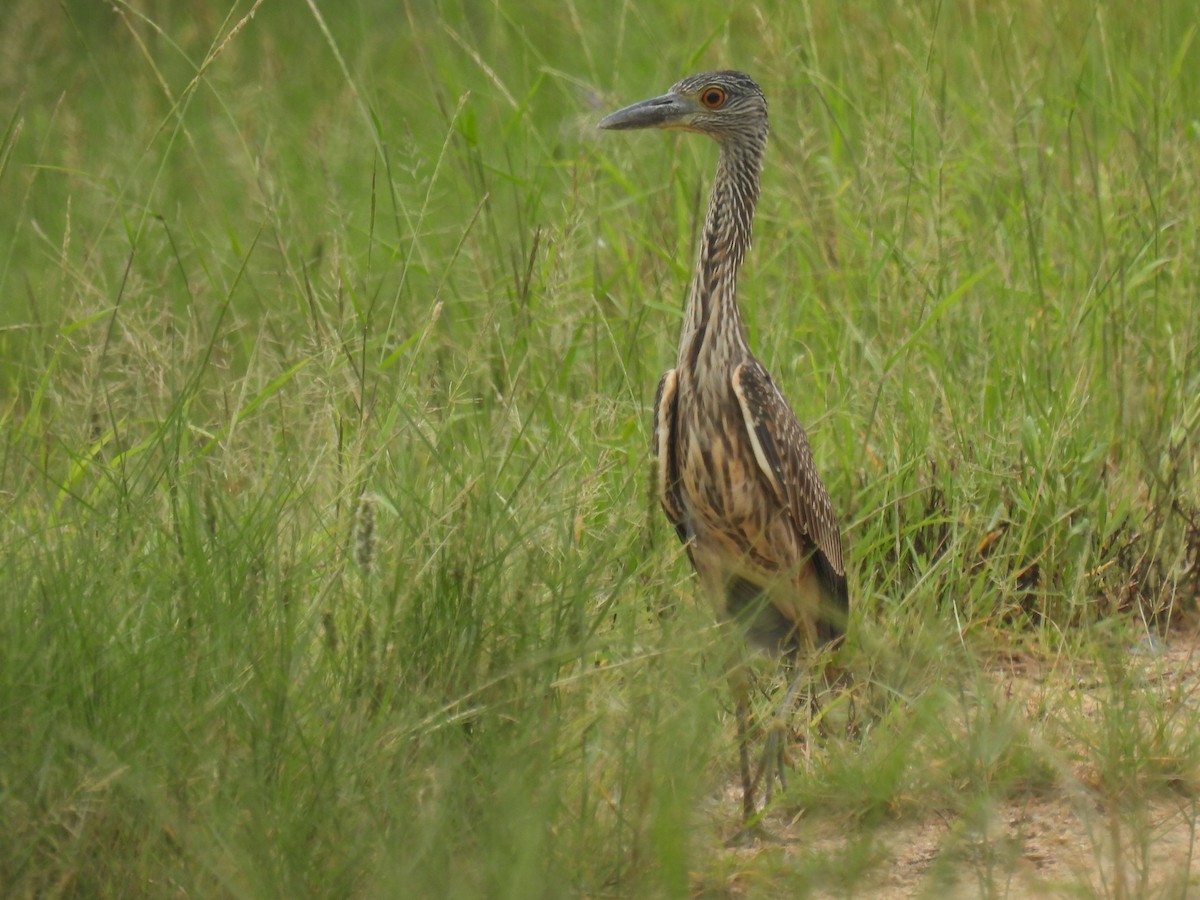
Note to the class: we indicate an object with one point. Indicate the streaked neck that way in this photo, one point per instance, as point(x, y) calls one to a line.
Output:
point(712, 308)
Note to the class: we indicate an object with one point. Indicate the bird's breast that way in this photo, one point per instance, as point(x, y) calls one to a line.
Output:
point(730, 508)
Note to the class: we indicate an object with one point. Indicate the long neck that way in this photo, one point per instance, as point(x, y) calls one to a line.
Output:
point(712, 301)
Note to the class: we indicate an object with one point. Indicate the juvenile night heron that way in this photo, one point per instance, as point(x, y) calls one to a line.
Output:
point(735, 473)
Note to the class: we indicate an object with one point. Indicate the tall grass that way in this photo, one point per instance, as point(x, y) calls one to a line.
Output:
point(327, 339)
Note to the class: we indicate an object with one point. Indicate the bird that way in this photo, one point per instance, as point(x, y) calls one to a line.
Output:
point(734, 469)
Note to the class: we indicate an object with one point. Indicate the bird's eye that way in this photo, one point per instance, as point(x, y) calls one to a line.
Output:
point(713, 97)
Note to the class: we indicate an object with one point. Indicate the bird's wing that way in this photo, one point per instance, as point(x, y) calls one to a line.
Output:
point(663, 448)
point(782, 451)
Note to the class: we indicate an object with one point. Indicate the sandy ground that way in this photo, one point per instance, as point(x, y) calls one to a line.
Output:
point(1058, 843)
point(1043, 848)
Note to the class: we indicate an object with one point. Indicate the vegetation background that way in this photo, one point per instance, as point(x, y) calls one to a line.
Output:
point(328, 334)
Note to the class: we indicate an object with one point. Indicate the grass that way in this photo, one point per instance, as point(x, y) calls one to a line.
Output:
point(327, 343)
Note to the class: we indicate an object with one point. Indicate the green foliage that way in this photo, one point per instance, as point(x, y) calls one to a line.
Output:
point(327, 338)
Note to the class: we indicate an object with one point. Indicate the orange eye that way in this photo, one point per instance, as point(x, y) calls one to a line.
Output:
point(713, 97)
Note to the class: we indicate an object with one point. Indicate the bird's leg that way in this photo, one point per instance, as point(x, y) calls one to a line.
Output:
point(852, 730)
point(739, 687)
point(752, 830)
point(743, 739)
point(774, 759)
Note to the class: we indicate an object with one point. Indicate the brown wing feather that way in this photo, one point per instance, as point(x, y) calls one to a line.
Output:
point(782, 451)
point(663, 446)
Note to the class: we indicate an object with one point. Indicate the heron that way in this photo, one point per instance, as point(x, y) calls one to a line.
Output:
point(735, 472)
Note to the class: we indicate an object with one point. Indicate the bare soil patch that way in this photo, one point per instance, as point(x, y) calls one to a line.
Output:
point(1071, 840)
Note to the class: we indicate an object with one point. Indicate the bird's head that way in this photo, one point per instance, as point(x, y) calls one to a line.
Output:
point(722, 105)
